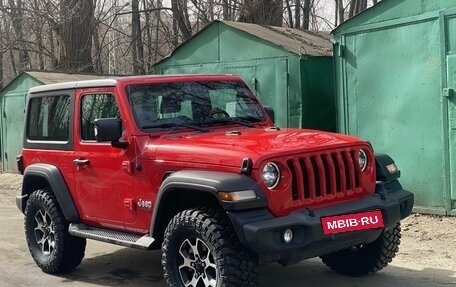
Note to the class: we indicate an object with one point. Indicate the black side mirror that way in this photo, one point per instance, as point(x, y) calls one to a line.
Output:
point(270, 112)
point(109, 130)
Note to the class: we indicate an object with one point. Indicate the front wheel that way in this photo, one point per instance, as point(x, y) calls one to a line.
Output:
point(366, 258)
point(200, 249)
point(46, 232)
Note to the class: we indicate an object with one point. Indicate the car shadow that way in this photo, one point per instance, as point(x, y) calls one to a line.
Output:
point(313, 271)
point(129, 267)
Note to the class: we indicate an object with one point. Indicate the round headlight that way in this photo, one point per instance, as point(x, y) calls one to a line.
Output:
point(362, 159)
point(271, 175)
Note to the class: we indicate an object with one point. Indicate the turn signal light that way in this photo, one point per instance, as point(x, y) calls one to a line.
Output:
point(237, 195)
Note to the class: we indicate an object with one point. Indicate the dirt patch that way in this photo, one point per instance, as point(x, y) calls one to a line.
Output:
point(10, 186)
point(428, 241)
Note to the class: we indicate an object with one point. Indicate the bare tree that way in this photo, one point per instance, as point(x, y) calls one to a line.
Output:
point(128, 36)
point(345, 9)
point(72, 23)
point(52, 48)
point(229, 8)
point(137, 43)
point(8, 46)
point(158, 22)
point(297, 17)
point(74, 35)
point(17, 18)
point(179, 19)
point(357, 6)
point(339, 12)
point(263, 12)
point(2, 53)
point(306, 9)
point(148, 43)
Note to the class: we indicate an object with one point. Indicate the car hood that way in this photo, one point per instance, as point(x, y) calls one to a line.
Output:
point(230, 148)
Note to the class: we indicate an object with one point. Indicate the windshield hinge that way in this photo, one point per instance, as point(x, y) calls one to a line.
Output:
point(246, 167)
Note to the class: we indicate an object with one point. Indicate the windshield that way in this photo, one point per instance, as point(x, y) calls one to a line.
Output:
point(193, 104)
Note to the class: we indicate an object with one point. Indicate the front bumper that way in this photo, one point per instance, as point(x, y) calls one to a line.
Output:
point(261, 232)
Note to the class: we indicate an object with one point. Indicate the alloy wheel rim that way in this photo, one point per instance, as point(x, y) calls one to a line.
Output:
point(44, 232)
point(197, 267)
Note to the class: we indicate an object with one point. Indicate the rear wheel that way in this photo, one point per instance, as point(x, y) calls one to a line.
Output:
point(200, 249)
point(366, 258)
point(46, 231)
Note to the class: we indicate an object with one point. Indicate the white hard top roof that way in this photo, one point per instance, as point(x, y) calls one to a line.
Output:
point(110, 82)
point(73, 85)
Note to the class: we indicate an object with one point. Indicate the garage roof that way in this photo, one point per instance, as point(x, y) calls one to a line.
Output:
point(314, 43)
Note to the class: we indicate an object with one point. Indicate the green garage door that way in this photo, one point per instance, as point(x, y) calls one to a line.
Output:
point(11, 134)
point(450, 97)
point(392, 101)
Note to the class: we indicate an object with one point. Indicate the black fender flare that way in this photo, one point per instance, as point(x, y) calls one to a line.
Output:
point(210, 182)
point(382, 161)
point(54, 177)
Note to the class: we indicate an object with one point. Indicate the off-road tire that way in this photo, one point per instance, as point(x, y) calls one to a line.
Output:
point(367, 258)
point(51, 246)
point(235, 266)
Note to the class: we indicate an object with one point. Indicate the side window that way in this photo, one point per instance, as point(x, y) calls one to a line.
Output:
point(49, 118)
point(96, 106)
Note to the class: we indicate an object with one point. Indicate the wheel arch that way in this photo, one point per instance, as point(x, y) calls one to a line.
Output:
point(193, 188)
point(40, 175)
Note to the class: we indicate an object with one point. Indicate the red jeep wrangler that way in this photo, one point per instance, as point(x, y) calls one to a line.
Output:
point(194, 165)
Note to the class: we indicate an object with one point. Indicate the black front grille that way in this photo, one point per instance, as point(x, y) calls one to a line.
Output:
point(325, 176)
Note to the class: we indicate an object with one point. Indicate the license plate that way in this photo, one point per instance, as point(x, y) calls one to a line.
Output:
point(352, 222)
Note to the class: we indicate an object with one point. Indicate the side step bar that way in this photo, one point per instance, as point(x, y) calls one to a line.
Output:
point(109, 236)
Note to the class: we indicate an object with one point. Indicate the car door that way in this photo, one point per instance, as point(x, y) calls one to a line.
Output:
point(103, 178)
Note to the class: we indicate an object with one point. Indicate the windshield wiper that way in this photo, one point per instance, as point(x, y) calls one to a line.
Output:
point(252, 119)
point(231, 121)
point(172, 125)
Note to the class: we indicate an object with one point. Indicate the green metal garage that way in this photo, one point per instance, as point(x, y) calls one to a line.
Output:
point(396, 81)
point(12, 106)
point(290, 70)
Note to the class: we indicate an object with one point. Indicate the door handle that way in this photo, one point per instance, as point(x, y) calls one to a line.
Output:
point(81, 162)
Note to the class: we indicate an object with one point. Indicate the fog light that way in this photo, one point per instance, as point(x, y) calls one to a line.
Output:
point(287, 236)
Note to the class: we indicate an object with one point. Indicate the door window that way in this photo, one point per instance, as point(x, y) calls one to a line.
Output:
point(96, 106)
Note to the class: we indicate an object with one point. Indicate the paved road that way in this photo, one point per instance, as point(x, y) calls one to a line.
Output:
point(107, 265)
